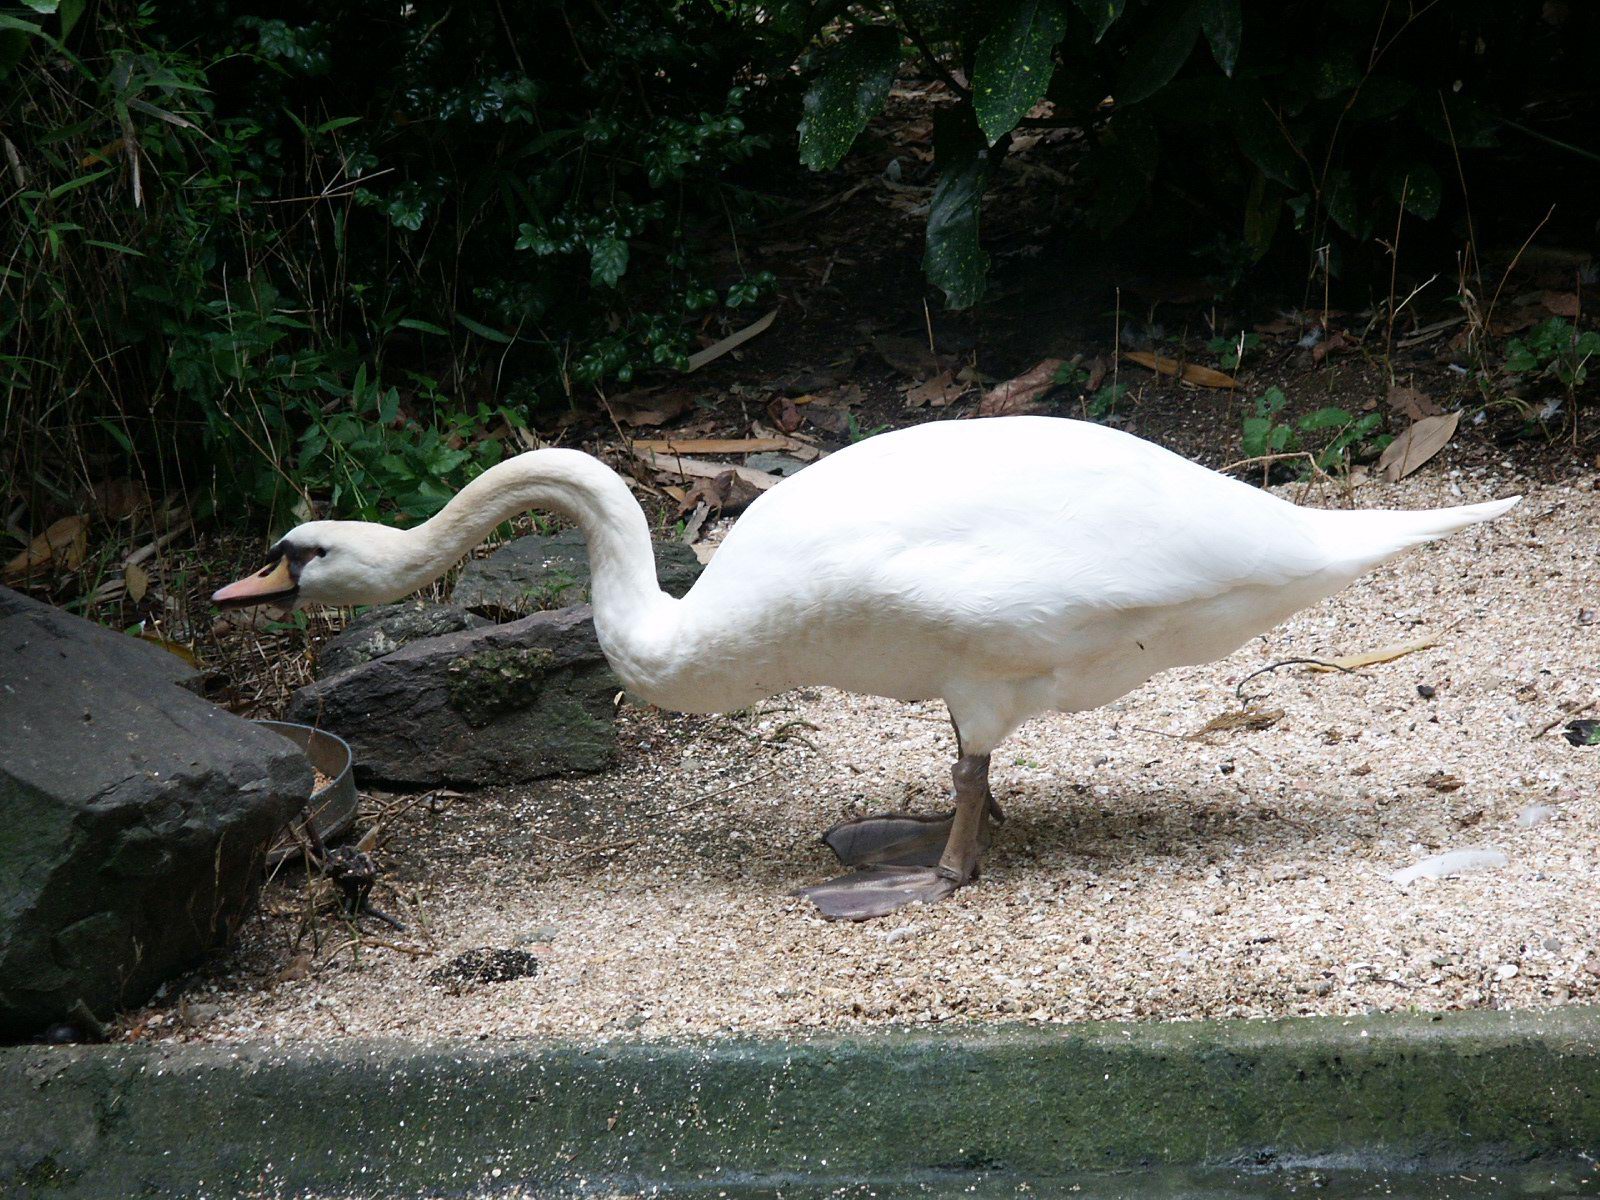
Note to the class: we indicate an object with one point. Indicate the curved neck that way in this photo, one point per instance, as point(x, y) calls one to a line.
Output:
point(576, 486)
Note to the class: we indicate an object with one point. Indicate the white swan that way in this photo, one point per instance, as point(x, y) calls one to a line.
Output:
point(1007, 566)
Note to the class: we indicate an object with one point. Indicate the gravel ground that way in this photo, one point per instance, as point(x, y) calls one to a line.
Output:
point(1141, 874)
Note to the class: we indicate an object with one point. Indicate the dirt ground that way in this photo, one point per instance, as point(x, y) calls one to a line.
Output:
point(1142, 873)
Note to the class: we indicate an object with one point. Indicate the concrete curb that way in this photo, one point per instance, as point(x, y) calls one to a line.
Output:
point(1465, 1091)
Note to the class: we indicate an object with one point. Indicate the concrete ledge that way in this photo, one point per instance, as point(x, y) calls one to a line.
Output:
point(1456, 1093)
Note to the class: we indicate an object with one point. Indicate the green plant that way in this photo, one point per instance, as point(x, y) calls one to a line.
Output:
point(1553, 349)
point(1105, 401)
point(289, 263)
point(1232, 351)
point(856, 433)
point(1326, 118)
point(1326, 437)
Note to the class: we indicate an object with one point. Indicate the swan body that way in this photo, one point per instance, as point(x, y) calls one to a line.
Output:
point(1008, 566)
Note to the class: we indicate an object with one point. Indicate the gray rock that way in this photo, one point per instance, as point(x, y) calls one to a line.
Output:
point(534, 573)
point(136, 817)
point(384, 630)
point(500, 704)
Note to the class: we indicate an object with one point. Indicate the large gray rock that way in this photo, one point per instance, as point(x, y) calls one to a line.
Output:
point(384, 630)
point(501, 704)
point(135, 817)
point(534, 573)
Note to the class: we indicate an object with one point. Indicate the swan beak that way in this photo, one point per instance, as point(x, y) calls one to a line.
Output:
point(275, 582)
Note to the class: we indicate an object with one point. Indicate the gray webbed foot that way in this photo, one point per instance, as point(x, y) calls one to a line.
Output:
point(879, 890)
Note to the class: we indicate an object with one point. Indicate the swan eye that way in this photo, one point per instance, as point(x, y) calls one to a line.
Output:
point(322, 552)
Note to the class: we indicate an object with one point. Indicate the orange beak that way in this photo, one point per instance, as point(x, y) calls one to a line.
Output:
point(274, 582)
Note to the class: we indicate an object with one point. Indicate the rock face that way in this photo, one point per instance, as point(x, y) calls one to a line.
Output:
point(135, 817)
point(535, 573)
point(499, 704)
point(384, 630)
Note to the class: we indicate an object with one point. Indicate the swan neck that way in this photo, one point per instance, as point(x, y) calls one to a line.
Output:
point(574, 485)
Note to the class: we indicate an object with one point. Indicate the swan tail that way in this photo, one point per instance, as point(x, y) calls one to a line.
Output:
point(1369, 536)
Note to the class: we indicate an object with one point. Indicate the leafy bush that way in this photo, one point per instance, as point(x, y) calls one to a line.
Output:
point(1326, 437)
point(275, 255)
point(1553, 349)
point(1329, 118)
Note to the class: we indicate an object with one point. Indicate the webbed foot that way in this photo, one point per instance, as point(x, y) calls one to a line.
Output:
point(879, 890)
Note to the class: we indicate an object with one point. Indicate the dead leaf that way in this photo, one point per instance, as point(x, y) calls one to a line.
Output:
point(1247, 718)
point(1277, 327)
point(642, 407)
point(1417, 445)
point(752, 445)
point(1412, 403)
point(296, 968)
point(1097, 373)
point(1024, 394)
point(784, 414)
point(63, 543)
point(937, 392)
point(1335, 343)
point(725, 494)
point(1354, 662)
point(828, 419)
point(908, 355)
point(170, 646)
point(1440, 782)
point(794, 445)
point(695, 522)
point(1562, 304)
point(1188, 372)
point(137, 580)
point(699, 468)
point(734, 340)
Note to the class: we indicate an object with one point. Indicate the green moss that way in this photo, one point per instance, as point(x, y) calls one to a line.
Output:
point(491, 682)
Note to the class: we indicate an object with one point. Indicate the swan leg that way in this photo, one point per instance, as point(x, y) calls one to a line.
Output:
point(881, 888)
point(906, 839)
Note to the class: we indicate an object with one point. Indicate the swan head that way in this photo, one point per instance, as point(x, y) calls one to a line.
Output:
point(331, 562)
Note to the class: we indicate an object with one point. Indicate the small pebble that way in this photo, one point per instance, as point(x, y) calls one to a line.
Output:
point(1427, 691)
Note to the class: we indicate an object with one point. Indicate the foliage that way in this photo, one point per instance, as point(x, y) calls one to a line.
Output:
point(1107, 398)
point(1265, 433)
point(1232, 351)
point(1330, 118)
point(283, 257)
point(1553, 349)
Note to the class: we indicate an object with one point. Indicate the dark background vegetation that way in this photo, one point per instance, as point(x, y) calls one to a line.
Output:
point(328, 258)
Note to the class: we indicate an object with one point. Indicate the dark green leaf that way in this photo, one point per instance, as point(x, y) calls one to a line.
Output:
point(608, 261)
point(1264, 143)
point(1101, 13)
point(1342, 200)
point(70, 11)
point(72, 185)
point(421, 326)
point(1421, 187)
point(1224, 27)
point(483, 331)
point(1158, 53)
point(955, 262)
point(1325, 418)
point(1123, 168)
point(1014, 63)
point(850, 87)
